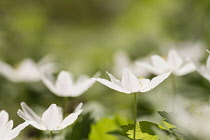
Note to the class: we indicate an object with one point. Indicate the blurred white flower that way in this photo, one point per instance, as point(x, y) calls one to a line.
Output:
point(52, 118)
point(187, 50)
point(4, 117)
point(27, 71)
point(173, 63)
point(195, 121)
point(205, 70)
point(6, 131)
point(122, 61)
point(130, 84)
point(65, 86)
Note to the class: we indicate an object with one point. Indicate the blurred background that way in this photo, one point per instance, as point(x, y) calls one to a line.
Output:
point(84, 37)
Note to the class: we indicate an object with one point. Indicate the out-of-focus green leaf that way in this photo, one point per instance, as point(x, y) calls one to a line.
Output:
point(102, 127)
point(144, 130)
point(119, 133)
point(81, 128)
point(168, 125)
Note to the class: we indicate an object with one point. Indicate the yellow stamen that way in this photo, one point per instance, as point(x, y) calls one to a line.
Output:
point(141, 77)
point(164, 57)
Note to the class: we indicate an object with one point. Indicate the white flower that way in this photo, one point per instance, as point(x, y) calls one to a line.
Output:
point(172, 63)
point(195, 121)
point(6, 131)
point(4, 117)
point(122, 61)
point(27, 71)
point(52, 118)
point(205, 70)
point(130, 84)
point(191, 50)
point(64, 86)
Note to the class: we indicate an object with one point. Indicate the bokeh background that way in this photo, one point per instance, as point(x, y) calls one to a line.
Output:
point(85, 35)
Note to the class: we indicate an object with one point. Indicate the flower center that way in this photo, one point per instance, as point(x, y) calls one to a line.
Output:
point(164, 57)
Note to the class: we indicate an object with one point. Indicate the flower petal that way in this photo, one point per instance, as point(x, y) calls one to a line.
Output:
point(174, 60)
point(69, 119)
point(149, 67)
point(111, 85)
point(159, 62)
point(208, 65)
point(5, 129)
point(8, 72)
point(49, 82)
point(4, 117)
point(64, 82)
point(156, 81)
point(30, 116)
point(129, 81)
point(79, 107)
point(114, 80)
point(80, 87)
point(187, 68)
point(14, 133)
point(52, 117)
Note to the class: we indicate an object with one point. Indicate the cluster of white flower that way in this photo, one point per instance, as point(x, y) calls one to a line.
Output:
point(64, 86)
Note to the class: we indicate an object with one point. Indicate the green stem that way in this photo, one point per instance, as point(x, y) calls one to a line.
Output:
point(65, 104)
point(174, 91)
point(51, 135)
point(135, 114)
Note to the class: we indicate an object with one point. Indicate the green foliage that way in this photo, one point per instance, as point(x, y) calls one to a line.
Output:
point(144, 130)
point(103, 126)
point(81, 128)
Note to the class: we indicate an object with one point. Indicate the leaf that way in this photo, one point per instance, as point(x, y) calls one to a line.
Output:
point(81, 128)
point(144, 130)
point(167, 117)
point(102, 127)
point(168, 125)
point(120, 134)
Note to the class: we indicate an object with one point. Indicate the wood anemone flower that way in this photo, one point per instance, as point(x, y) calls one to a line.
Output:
point(52, 118)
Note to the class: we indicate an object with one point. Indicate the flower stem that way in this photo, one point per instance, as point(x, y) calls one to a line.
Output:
point(135, 114)
point(51, 135)
point(173, 83)
point(65, 104)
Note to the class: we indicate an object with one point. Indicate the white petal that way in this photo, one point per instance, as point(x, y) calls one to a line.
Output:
point(5, 129)
point(111, 85)
point(159, 62)
point(30, 116)
point(64, 82)
point(150, 68)
point(14, 133)
point(4, 117)
point(28, 71)
point(156, 81)
point(174, 60)
point(69, 119)
point(129, 81)
point(8, 72)
point(187, 68)
point(114, 80)
point(80, 87)
point(79, 107)
point(52, 117)
point(208, 64)
point(49, 82)
point(203, 71)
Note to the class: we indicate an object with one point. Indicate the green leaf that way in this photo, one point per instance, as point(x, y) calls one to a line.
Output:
point(99, 131)
point(144, 130)
point(120, 134)
point(168, 125)
point(81, 128)
point(167, 117)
